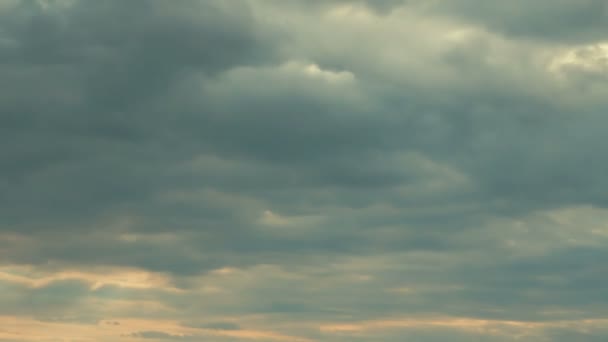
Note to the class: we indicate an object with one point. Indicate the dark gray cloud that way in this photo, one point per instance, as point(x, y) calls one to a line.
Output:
point(71, 110)
point(559, 21)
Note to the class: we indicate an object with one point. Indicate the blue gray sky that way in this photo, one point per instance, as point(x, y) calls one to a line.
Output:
point(284, 170)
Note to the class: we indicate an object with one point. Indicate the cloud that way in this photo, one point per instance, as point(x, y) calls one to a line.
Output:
point(302, 170)
point(560, 21)
point(159, 335)
point(222, 326)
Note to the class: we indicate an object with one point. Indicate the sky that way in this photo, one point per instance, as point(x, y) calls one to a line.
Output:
point(301, 171)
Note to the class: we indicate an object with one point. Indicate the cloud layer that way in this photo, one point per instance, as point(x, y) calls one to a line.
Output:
point(303, 170)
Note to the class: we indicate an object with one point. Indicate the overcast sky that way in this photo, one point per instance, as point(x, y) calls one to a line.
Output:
point(284, 170)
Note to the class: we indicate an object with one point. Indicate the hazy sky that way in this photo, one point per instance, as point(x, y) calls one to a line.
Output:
point(283, 170)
